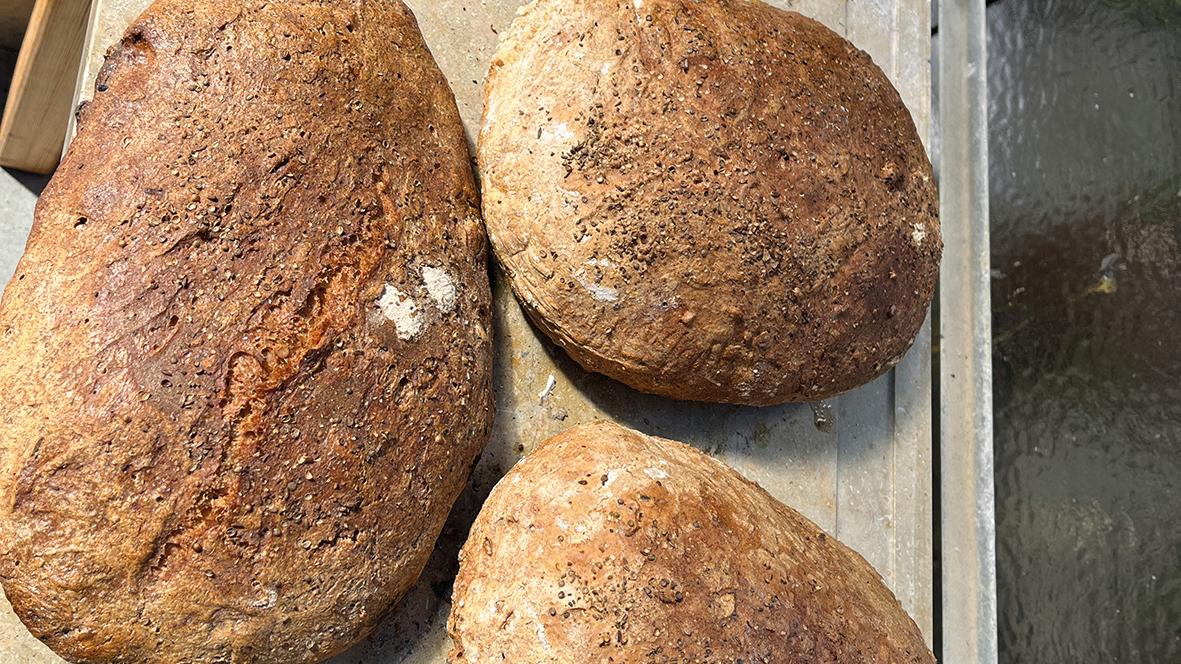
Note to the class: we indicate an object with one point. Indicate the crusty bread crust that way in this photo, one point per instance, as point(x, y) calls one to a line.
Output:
point(707, 199)
point(246, 360)
point(606, 545)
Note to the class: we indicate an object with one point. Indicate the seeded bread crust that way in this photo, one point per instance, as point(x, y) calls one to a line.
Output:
point(246, 359)
point(712, 200)
point(607, 545)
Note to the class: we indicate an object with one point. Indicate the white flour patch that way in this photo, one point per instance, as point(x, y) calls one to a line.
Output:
point(440, 287)
point(402, 310)
point(540, 631)
point(491, 609)
point(570, 198)
point(557, 132)
point(490, 114)
point(918, 234)
point(600, 262)
point(272, 596)
point(605, 69)
point(597, 291)
point(611, 477)
point(656, 473)
point(639, 12)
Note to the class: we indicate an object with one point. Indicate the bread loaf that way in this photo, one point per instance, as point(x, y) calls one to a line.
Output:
point(246, 362)
point(707, 199)
point(607, 545)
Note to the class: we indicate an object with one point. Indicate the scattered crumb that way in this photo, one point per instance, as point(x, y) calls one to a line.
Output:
point(550, 384)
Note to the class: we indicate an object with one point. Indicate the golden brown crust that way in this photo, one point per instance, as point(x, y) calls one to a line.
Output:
point(246, 362)
point(707, 199)
point(608, 545)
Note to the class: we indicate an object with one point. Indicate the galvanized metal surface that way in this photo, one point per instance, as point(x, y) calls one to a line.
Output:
point(864, 476)
point(969, 618)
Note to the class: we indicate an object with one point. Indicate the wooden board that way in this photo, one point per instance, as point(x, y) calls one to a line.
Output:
point(37, 113)
point(865, 475)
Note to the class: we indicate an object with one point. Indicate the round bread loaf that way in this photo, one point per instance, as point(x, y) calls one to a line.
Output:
point(246, 360)
point(707, 199)
point(608, 545)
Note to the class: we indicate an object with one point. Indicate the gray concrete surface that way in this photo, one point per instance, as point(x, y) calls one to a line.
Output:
point(18, 195)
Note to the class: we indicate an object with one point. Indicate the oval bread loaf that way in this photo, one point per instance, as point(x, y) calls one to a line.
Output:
point(246, 360)
point(608, 545)
point(707, 199)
